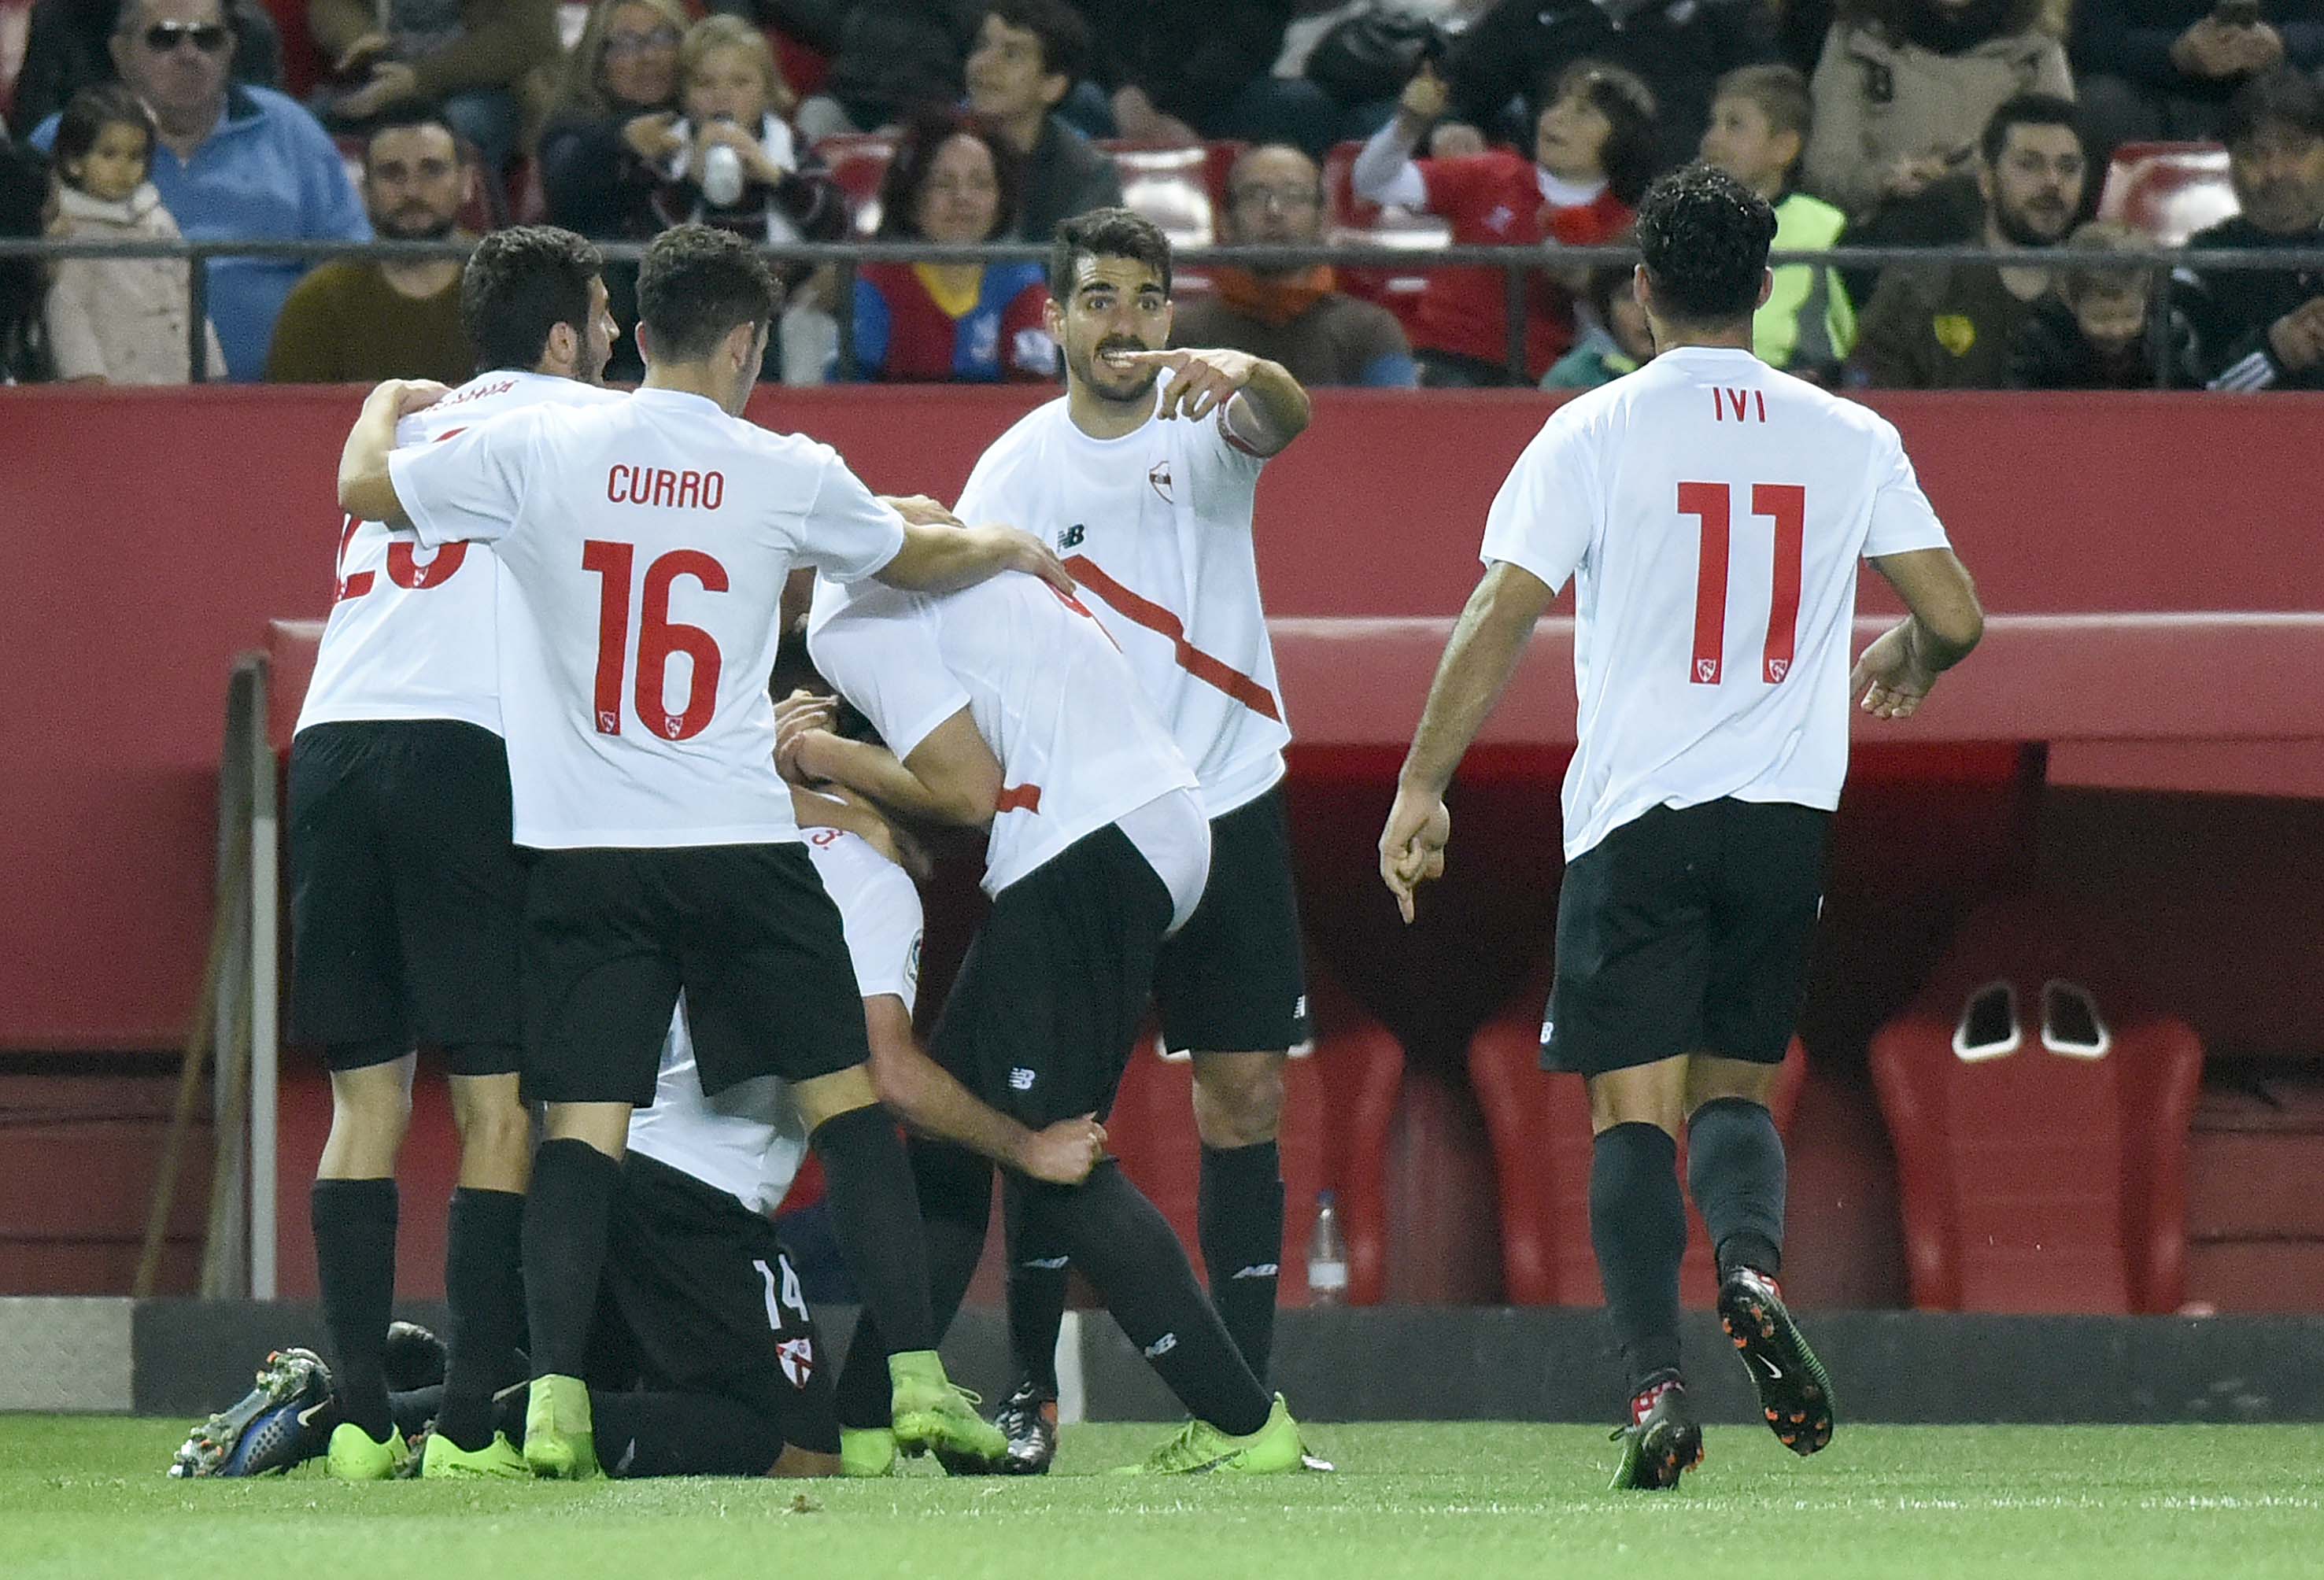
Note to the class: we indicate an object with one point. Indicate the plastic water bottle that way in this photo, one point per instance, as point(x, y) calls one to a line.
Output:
point(1327, 1255)
point(722, 176)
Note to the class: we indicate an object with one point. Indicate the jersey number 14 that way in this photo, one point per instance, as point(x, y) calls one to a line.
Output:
point(659, 637)
point(1787, 505)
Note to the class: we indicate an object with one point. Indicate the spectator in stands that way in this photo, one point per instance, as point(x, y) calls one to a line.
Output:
point(1620, 342)
point(67, 46)
point(1905, 86)
point(1297, 315)
point(118, 320)
point(478, 59)
point(1951, 327)
point(357, 321)
point(1679, 48)
point(1028, 55)
point(235, 163)
point(1595, 149)
point(892, 57)
point(29, 207)
point(2094, 334)
point(612, 117)
point(1759, 121)
point(1178, 71)
point(2152, 69)
point(954, 181)
point(731, 159)
point(2258, 329)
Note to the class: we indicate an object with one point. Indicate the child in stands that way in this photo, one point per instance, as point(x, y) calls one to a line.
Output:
point(1759, 125)
point(2097, 330)
point(117, 320)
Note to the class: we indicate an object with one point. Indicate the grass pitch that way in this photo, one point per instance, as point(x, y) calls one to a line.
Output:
point(83, 1496)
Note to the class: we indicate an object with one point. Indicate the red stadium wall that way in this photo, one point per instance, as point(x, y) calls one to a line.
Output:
point(153, 533)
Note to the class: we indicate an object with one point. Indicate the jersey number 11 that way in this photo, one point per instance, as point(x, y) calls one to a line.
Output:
point(1787, 505)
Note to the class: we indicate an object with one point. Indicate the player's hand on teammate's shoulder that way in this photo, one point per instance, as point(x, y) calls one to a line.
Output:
point(1891, 680)
point(1065, 1153)
point(1019, 550)
point(1412, 845)
point(920, 511)
point(414, 394)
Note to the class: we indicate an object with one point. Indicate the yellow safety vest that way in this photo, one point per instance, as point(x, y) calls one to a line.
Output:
point(1807, 320)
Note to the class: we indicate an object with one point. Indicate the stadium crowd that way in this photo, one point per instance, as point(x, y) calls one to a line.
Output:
point(1889, 123)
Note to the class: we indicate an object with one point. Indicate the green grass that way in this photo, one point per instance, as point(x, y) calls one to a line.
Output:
point(86, 1497)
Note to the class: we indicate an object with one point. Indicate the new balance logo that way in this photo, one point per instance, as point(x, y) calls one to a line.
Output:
point(1299, 1008)
point(1161, 1346)
point(1070, 538)
point(1046, 1264)
point(1020, 1080)
point(1259, 1270)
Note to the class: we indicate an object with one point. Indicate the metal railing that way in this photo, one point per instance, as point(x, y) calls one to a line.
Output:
point(1514, 263)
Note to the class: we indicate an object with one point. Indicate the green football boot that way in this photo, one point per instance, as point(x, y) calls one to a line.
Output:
point(442, 1459)
point(355, 1457)
point(560, 1437)
point(867, 1451)
point(930, 1410)
point(1199, 1447)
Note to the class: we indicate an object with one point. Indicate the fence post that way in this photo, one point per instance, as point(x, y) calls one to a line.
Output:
point(265, 964)
point(1513, 293)
point(197, 306)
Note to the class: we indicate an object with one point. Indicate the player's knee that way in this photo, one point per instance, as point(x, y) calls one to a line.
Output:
point(492, 1120)
point(1648, 1095)
point(1238, 1099)
point(1709, 1080)
point(374, 1099)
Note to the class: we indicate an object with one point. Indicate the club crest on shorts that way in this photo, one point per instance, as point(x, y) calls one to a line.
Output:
point(797, 1358)
point(1160, 478)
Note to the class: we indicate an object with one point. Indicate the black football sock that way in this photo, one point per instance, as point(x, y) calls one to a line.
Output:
point(414, 1409)
point(955, 1187)
point(684, 1434)
point(1637, 1226)
point(484, 1282)
point(1124, 1246)
point(567, 1215)
point(354, 1262)
point(1036, 1299)
point(878, 1222)
point(1735, 1170)
point(1238, 1220)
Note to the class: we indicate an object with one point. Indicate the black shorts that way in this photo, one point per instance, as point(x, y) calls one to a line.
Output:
point(611, 937)
point(699, 1297)
point(1687, 930)
point(1231, 980)
point(1042, 1016)
point(406, 897)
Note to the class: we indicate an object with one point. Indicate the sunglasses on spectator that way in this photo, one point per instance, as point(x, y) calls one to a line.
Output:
point(638, 43)
point(208, 37)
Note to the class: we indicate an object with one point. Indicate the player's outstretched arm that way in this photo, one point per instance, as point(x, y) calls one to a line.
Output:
point(923, 1096)
point(366, 492)
point(1478, 662)
point(1898, 670)
point(938, 558)
point(1268, 406)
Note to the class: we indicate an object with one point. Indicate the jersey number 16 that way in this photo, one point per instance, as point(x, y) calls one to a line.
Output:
point(659, 637)
point(1787, 505)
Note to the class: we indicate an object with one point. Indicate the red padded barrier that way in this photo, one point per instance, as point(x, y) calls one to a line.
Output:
point(2034, 1179)
point(1542, 1145)
point(1338, 1104)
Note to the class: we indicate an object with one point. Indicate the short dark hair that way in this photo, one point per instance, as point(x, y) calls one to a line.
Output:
point(1703, 236)
point(1106, 232)
point(410, 117)
point(2028, 109)
point(1634, 140)
point(928, 130)
point(2281, 97)
point(519, 284)
point(1064, 34)
point(90, 111)
point(697, 284)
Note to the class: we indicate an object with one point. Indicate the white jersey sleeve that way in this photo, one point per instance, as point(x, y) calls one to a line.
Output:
point(469, 488)
point(887, 660)
point(849, 533)
point(1545, 513)
point(880, 907)
point(1903, 520)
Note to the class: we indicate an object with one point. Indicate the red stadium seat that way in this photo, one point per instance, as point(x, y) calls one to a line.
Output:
point(1340, 1101)
point(302, 65)
point(2167, 191)
point(858, 162)
point(1539, 1125)
point(1350, 220)
point(16, 27)
point(2039, 1100)
point(1180, 189)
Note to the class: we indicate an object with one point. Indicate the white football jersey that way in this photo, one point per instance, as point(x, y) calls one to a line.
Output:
point(749, 1141)
point(1711, 511)
point(1156, 525)
point(1079, 745)
point(644, 545)
point(411, 630)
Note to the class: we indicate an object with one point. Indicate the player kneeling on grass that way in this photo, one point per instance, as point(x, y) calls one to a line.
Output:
point(703, 1359)
point(1008, 708)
